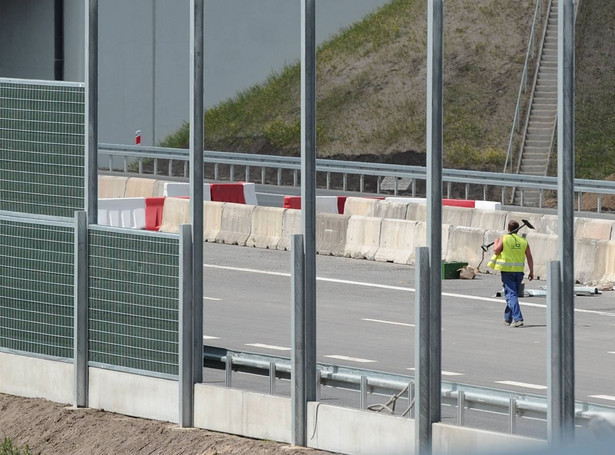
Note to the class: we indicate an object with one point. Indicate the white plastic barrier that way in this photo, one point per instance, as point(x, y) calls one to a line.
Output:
point(122, 212)
point(488, 205)
point(179, 189)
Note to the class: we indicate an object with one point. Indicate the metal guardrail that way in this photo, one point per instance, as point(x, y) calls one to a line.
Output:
point(463, 396)
point(130, 154)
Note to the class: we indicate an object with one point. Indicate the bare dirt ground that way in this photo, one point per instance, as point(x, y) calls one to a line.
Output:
point(52, 428)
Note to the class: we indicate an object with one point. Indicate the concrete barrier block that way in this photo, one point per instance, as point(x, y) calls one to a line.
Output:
point(544, 249)
point(266, 230)
point(593, 228)
point(212, 220)
point(587, 266)
point(363, 237)
point(159, 188)
point(457, 216)
point(397, 241)
point(361, 206)
point(416, 211)
point(420, 238)
point(291, 224)
point(139, 187)
point(110, 186)
point(331, 232)
point(465, 245)
point(175, 212)
point(236, 224)
point(548, 225)
point(326, 204)
point(533, 218)
point(391, 209)
point(606, 252)
point(489, 220)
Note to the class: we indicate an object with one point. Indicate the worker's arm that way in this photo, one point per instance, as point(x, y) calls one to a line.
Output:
point(530, 262)
point(498, 245)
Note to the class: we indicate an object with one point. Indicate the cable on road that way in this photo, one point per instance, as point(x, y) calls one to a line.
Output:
point(390, 405)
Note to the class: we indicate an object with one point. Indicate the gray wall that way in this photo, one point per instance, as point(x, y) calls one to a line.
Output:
point(144, 52)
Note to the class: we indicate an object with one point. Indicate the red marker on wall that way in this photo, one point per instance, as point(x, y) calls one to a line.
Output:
point(138, 137)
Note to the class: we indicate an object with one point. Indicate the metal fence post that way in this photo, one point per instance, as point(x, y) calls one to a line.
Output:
point(186, 384)
point(91, 110)
point(422, 355)
point(297, 390)
point(81, 310)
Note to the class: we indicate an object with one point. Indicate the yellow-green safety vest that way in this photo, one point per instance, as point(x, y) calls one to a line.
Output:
point(512, 257)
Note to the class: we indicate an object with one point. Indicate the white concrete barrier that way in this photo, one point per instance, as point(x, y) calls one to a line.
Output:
point(110, 186)
point(397, 241)
point(391, 209)
point(331, 232)
point(420, 238)
point(548, 225)
point(175, 212)
point(139, 187)
point(587, 266)
point(363, 237)
point(236, 224)
point(593, 228)
point(122, 212)
point(266, 230)
point(212, 220)
point(244, 413)
point(544, 249)
point(457, 216)
point(465, 245)
point(606, 253)
point(416, 212)
point(488, 219)
point(327, 204)
point(360, 206)
point(533, 218)
point(291, 224)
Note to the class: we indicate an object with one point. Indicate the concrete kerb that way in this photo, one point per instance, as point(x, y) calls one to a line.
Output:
point(175, 212)
point(266, 230)
point(397, 241)
point(363, 237)
point(331, 232)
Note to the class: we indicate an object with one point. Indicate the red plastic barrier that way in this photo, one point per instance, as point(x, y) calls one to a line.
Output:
point(459, 203)
point(341, 202)
point(227, 192)
point(292, 202)
point(153, 212)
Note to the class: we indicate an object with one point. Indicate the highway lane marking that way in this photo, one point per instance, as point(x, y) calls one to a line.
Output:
point(211, 298)
point(403, 289)
point(443, 373)
point(611, 352)
point(603, 397)
point(350, 359)
point(523, 384)
point(268, 346)
point(387, 322)
point(207, 337)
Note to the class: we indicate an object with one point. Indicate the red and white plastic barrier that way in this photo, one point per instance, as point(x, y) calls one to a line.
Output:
point(131, 212)
point(324, 204)
point(468, 203)
point(238, 193)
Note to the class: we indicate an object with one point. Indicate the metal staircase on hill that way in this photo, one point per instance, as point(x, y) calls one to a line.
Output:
point(539, 132)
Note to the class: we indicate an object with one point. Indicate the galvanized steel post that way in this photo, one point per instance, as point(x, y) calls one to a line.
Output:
point(186, 362)
point(565, 207)
point(196, 177)
point(91, 111)
point(81, 294)
point(308, 185)
point(422, 354)
point(434, 139)
point(554, 350)
point(297, 391)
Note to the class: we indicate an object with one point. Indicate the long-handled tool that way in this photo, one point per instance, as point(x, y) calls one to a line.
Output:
point(514, 231)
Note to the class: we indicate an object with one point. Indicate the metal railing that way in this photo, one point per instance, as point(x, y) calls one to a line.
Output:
point(463, 396)
point(136, 156)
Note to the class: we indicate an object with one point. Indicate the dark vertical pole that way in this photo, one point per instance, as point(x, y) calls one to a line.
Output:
point(80, 333)
point(298, 400)
point(58, 65)
point(565, 206)
point(91, 111)
point(308, 184)
point(422, 355)
point(186, 356)
point(196, 178)
point(554, 344)
point(435, 35)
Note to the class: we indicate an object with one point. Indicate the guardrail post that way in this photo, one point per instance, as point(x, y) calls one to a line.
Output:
point(186, 364)
point(461, 402)
point(363, 403)
point(297, 389)
point(81, 299)
point(512, 416)
point(422, 354)
point(272, 378)
point(228, 370)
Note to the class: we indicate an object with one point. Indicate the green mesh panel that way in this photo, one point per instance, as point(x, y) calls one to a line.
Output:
point(134, 300)
point(42, 164)
point(36, 288)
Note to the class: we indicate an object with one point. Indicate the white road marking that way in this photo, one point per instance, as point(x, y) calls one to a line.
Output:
point(268, 346)
point(211, 298)
point(611, 352)
point(387, 322)
point(403, 289)
point(444, 373)
point(523, 384)
point(207, 337)
point(603, 397)
point(350, 359)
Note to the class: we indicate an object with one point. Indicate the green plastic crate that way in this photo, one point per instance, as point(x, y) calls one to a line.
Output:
point(450, 270)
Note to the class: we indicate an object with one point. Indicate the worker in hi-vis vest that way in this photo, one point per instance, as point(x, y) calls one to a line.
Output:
point(511, 250)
